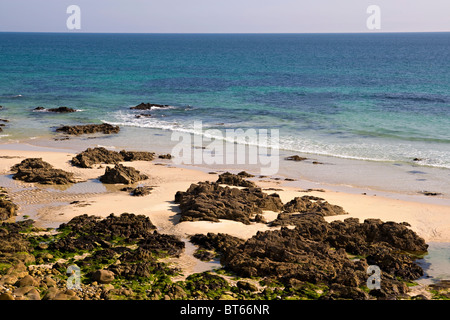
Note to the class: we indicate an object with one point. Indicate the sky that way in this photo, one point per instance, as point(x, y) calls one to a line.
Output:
point(225, 16)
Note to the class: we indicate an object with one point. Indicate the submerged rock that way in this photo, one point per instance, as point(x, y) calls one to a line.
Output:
point(56, 110)
point(36, 170)
point(105, 128)
point(122, 174)
point(148, 106)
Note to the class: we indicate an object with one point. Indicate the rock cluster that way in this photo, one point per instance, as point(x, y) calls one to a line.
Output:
point(116, 249)
point(122, 174)
point(105, 128)
point(211, 202)
point(37, 170)
point(91, 156)
point(316, 252)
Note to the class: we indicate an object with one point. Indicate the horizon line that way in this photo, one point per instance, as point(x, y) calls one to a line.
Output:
point(225, 33)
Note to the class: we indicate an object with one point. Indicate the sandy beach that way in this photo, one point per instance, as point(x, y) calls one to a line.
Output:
point(50, 206)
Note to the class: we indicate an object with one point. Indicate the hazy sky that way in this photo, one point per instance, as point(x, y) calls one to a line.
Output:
point(225, 16)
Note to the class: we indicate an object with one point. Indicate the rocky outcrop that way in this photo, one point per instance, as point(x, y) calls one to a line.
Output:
point(211, 202)
point(122, 174)
point(148, 106)
point(235, 180)
point(105, 128)
point(7, 207)
point(36, 170)
point(91, 156)
point(317, 252)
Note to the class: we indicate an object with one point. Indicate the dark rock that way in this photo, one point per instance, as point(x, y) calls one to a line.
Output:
point(7, 208)
point(137, 155)
point(36, 170)
point(430, 194)
point(295, 158)
point(211, 202)
point(313, 252)
point(309, 204)
point(244, 285)
point(128, 226)
point(245, 174)
point(141, 191)
point(91, 156)
point(235, 180)
point(148, 106)
point(122, 174)
point(165, 156)
point(89, 129)
point(61, 110)
point(39, 109)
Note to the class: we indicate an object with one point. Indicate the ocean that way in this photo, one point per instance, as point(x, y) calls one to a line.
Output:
point(379, 98)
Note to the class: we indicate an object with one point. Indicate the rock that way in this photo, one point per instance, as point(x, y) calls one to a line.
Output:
point(39, 109)
point(234, 180)
point(309, 204)
point(36, 170)
point(141, 191)
point(89, 129)
point(211, 202)
point(315, 252)
point(165, 156)
point(91, 156)
point(244, 174)
point(137, 155)
point(6, 296)
point(295, 158)
point(122, 174)
point(7, 208)
point(26, 281)
point(148, 106)
point(62, 110)
point(128, 226)
point(244, 285)
point(103, 276)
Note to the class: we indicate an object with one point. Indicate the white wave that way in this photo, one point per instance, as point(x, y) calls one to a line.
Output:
point(377, 152)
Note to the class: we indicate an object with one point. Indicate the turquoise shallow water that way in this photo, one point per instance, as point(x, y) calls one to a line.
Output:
point(382, 97)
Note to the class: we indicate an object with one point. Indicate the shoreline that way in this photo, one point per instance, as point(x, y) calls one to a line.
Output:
point(384, 205)
point(404, 181)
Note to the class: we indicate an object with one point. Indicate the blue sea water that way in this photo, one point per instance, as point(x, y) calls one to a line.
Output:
point(381, 97)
